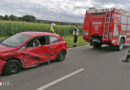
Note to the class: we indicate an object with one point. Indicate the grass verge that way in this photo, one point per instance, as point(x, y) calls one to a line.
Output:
point(69, 40)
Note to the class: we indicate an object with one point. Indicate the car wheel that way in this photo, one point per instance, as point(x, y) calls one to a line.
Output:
point(12, 67)
point(61, 56)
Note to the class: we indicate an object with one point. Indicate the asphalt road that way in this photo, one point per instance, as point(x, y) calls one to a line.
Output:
point(83, 69)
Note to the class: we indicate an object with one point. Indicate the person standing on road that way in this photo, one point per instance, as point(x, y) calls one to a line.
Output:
point(52, 28)
point(75, 34)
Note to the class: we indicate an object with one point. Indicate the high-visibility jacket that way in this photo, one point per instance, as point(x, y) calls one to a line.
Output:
point(52, 30)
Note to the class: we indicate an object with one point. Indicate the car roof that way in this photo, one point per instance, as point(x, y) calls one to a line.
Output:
point(34, 34)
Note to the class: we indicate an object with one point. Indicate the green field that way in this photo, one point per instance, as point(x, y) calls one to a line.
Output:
point(8, 28)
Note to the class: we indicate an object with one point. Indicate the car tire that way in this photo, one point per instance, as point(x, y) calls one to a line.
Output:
point(61, 56)
point(12, 67)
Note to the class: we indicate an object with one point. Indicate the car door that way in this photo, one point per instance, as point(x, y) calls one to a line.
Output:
point(31, 57)
point(45, 50)
point(35, 53)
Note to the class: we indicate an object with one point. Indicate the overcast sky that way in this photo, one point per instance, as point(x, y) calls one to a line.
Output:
point(58, 10)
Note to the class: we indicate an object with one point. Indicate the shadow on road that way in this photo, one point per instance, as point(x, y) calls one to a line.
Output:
point(107, 49)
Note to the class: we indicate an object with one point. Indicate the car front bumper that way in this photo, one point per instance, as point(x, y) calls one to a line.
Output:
point(2, 63)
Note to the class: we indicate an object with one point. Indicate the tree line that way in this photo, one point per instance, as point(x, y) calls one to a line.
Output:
point(31, 18)
point(28, 18)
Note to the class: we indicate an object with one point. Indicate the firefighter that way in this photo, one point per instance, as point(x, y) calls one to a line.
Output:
point(52, 28)
point(75, 34)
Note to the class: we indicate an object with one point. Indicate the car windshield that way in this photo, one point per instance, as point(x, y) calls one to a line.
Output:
point(15, 40)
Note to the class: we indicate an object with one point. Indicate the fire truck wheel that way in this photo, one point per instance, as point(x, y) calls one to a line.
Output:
point(121, 45)
point(97, 45)
point(12, 67)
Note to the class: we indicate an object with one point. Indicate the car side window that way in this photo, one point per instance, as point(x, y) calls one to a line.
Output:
point(54, 39)
point(38, 41)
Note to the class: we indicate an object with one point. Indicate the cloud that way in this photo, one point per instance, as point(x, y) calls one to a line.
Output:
point(58, 10)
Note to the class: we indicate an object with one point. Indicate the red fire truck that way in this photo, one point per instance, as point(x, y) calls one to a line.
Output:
point(107, 26)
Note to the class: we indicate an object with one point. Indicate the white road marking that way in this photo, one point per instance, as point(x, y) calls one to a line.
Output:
point(60, 79)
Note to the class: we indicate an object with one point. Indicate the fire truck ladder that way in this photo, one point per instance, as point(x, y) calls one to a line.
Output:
point(107, 24)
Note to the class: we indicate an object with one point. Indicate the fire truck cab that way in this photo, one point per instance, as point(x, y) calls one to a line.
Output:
point(107, 26)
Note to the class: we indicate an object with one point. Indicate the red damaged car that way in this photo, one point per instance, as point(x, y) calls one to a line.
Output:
point(28, 49)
